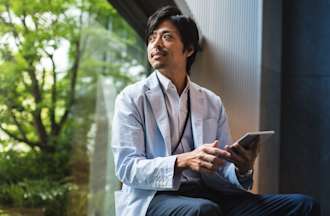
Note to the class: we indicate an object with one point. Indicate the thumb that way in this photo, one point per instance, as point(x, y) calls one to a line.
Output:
point(215, 143)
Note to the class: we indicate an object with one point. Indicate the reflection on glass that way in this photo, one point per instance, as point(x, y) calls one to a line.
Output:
point(61, 64)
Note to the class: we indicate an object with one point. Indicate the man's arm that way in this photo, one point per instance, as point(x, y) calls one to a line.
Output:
point(128, 143)
point(230, 171)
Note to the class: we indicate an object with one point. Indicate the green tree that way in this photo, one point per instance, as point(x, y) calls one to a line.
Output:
point(37, 96)
point(51, 54)
point(35, 103)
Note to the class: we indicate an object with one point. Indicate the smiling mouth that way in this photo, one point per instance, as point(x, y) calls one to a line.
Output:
point(157, 56)
point(158, 53)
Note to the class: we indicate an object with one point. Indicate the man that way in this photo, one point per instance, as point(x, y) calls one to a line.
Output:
point(172, 144)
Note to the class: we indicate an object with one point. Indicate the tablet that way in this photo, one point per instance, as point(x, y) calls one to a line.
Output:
point(249, 138)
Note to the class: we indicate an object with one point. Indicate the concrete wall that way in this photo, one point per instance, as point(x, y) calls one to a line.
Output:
point(305, 146)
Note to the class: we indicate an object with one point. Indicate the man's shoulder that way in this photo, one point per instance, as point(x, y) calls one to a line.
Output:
point(139, 88)
point(135, 89)
point(209, 94)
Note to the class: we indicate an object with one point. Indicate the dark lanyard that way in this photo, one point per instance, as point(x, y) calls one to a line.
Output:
point(187, 117)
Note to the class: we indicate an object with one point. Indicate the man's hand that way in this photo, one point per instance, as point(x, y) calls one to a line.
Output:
point(205, 158)
point(243, 158)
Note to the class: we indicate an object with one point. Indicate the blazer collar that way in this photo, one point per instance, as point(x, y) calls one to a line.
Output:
point(197, 110)
point(157, 101)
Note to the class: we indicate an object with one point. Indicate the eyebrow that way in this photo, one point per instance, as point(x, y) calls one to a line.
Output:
point(163, 31)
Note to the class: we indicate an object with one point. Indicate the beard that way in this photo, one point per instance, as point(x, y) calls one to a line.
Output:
point(158, 65)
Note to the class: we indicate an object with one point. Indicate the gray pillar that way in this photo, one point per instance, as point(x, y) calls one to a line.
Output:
point(305, 150)
point(270, 102)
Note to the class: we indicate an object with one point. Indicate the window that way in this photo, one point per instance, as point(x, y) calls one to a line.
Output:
point(62, 64)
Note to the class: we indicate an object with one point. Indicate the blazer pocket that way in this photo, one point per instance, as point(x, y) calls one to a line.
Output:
point(210, 128)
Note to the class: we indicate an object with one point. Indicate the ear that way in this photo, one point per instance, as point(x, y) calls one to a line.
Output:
point(189, 51)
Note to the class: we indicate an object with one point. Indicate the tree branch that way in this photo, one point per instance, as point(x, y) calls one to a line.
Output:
point(24, 22)
point(35, 90)
point(19, 139)
point(35, 21)
point(73, 80)
point(18, 125)
point(53, 94)
point(43, 77)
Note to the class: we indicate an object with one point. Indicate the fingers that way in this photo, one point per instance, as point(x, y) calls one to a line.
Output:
point(207, 157)
point(255, 145)
point(240, 151)
point(214, 149)
point(205, 166)
point(241, 157)
point(215, 143)
point(211, 159)
point(236, 154)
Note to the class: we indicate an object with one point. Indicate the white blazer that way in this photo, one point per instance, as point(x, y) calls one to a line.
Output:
point(142, 149)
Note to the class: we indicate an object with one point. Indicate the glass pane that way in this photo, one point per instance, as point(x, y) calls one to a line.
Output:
point(61, 65)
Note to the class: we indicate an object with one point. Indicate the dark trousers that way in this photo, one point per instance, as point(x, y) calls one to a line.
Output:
point(195, 199)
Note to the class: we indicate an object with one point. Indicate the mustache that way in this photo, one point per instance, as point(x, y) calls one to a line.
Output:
point(159, 51)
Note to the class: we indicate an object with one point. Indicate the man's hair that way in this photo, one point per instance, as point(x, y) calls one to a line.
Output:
point(185, 25)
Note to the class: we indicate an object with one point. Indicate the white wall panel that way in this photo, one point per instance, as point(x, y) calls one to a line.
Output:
point(231, 58)
point(230, 63)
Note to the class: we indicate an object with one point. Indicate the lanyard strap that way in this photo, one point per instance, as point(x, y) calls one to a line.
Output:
point(187, 117)
point(184, 127)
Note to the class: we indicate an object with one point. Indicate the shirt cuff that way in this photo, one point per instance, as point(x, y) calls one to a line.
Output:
point(246, 180)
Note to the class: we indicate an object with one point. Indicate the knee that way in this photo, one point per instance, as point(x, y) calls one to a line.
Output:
point(308, 204)
point(206, 208)
point(305, 200)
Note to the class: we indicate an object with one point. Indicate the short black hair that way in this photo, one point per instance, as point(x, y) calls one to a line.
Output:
point(185, 25)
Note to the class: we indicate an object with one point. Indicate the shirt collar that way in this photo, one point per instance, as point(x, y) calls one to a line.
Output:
point(167, 83)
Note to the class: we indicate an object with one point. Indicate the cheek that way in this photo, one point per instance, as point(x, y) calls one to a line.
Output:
point(148, 56)
point(149, 52)
point(179, 56)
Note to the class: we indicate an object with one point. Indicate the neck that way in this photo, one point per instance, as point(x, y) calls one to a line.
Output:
point(178, 78)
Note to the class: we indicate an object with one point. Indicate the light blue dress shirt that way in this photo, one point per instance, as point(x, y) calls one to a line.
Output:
point(177, 110)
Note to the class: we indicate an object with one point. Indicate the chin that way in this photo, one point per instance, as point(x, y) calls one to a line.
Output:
point(158, 66)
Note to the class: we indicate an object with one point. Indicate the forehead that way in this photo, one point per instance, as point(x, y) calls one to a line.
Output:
point(165, 26)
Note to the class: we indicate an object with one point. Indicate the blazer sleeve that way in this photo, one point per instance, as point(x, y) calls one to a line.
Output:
point(227, 171)
point(132, 166)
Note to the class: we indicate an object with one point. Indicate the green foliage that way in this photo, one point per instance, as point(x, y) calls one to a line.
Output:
point(48, 195)
point(15, 166)
point(51, 55)
point(35, 193)
point(34, 180)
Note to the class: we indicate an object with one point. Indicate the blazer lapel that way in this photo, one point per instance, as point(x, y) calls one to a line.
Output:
point(157, 102)
point(197, 109)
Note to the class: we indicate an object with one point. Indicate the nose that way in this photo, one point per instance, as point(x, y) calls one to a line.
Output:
point(158, 41)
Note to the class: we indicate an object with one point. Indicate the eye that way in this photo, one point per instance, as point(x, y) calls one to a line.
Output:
point(151, 38)
point(167, 36)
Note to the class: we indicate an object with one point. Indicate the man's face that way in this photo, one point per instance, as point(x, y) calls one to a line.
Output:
point(165, 48)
